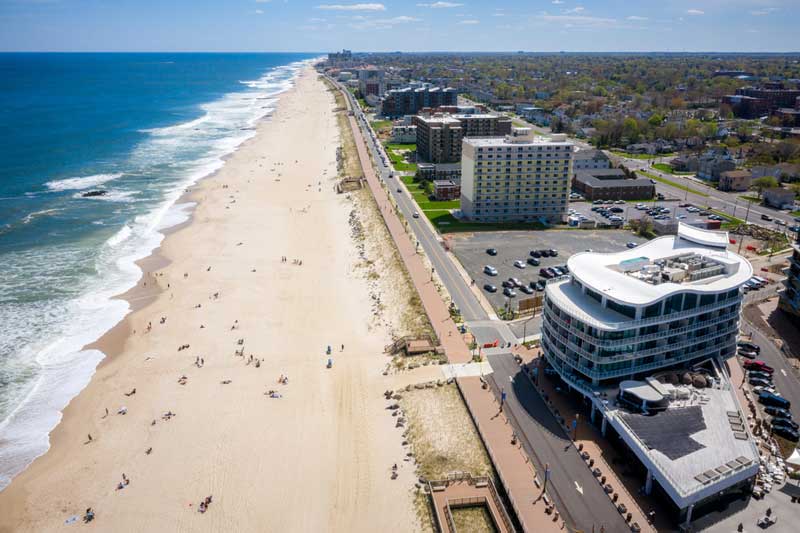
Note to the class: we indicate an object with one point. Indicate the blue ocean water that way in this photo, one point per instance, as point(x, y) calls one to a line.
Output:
point(140, 128)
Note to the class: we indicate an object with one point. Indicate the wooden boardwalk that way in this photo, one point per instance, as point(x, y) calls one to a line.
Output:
point(461, 490)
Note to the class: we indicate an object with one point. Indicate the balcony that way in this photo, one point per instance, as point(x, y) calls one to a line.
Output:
point(594, 373)
point(610, 343)
point(639, 354)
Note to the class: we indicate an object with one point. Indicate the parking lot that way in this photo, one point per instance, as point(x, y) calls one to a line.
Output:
point(470, 249)
point(628, 211)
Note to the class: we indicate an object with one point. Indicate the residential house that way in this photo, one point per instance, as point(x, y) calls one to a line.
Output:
point(735, 180)
point(612, 184)
point(446, 190)
point(783, 172)
point(712, 164)
point(778, 197)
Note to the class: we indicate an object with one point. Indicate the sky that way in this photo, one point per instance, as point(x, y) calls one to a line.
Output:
point(467, 25)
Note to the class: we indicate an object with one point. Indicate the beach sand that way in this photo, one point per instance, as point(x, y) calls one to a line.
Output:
point(317, 459)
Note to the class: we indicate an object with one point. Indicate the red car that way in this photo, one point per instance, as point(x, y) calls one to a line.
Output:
point(758, 365)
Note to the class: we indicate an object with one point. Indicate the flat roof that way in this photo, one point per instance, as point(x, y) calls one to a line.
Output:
point(502, 141)
point(694, 440)
point(602, 272)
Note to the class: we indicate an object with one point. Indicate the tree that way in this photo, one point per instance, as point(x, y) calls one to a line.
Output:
point(763, 183)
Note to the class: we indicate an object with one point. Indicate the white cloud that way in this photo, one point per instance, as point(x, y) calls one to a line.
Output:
point(764, 12)
point(352, 7)
point(259, 11)
point(469, 21)
point(315, 20)
point(263, 1)
point(573, 11)
point(557, 2)
point(361, 22)
point(636, 18)
point(578, 21)
point(498, 14)
point(440, 5)
point(695, 12)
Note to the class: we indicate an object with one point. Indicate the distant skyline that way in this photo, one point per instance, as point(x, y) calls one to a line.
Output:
point(319, 26)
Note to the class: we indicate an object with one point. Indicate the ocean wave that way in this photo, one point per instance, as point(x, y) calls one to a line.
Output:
point(30, 217)
point(81, 182)
point(167, 162)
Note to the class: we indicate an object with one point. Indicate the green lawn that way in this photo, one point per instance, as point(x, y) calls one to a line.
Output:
point(379, 125)
point(398, 161)
point(664, 167)
point(795, 213)
point(750, 198)
point(639, 156)
point(447, 223)
point(671, 183)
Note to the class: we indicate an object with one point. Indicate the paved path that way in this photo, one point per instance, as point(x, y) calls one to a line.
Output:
point(543, 438)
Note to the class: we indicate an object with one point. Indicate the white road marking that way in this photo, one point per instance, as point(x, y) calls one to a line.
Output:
point(783, 371)
point(578, 488)
point(511, 379)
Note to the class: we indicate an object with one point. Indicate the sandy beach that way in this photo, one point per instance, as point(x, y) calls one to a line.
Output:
point(318, 455)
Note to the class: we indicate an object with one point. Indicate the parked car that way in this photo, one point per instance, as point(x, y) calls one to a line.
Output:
point(536, 253)
point(788, 422)
point(526, 289)
point(490, 270)
point(558, 271)
point(749, 346)
point(553, 252)
point(767, 398)
point(509, 292)
point(617, 210)
point(760, 375)
point(515, 281)
point(508, 284)
point(758, 365)
point(786, 432)
point(520, 264)
point(766, 217)
point(490, 288)
point(631, 245)
point(491, 251)
point(778, 411)
point(538, 286)
point(759, 382)
point(534, 262)
point(546, 273)
point(747, 354)
point(552, 272)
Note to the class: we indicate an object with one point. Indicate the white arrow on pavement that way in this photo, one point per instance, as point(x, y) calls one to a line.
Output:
point(783, 371)
point(578, 488)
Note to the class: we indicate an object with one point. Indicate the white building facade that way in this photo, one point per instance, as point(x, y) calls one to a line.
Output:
point(516, 178)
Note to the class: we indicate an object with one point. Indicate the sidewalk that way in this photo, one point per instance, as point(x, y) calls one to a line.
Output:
point(515, 470)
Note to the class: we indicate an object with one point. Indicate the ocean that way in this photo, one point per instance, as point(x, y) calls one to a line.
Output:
point(134, 130)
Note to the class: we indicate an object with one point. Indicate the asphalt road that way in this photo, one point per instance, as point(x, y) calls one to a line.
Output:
point(544, 440)
point(783, 378)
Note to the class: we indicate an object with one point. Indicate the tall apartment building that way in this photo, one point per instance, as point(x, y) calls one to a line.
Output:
point(643, 334)
point(516, 178)
point(438, 138)
point(790, 295)
point(371, 82)
point(409, 101)
point(439, 135)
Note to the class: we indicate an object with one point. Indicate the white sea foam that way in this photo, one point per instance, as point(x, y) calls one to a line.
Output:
point(191, 151)
point(80, 183)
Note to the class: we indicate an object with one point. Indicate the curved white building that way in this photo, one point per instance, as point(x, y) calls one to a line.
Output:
point(670, 304)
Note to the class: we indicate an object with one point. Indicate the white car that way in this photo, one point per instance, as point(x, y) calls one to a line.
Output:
point(490, 270)
point(519, 264)
point(416, 214)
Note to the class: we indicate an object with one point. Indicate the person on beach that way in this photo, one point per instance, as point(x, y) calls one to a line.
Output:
point(88, 516)
point(131, 393)
point(105, 415)
point(90, 438)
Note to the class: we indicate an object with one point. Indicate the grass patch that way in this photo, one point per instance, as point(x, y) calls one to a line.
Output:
point(750, 198)
point(398, 160)
point(381, 124)
point(447, 223)
point(664, 167)
point(474, 519)
point(671, 183)
point(620, 153)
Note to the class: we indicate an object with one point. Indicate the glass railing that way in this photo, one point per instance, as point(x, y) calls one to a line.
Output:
point(610, 343)
point(593, 373)
point(577, 314)
point(601, 359)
